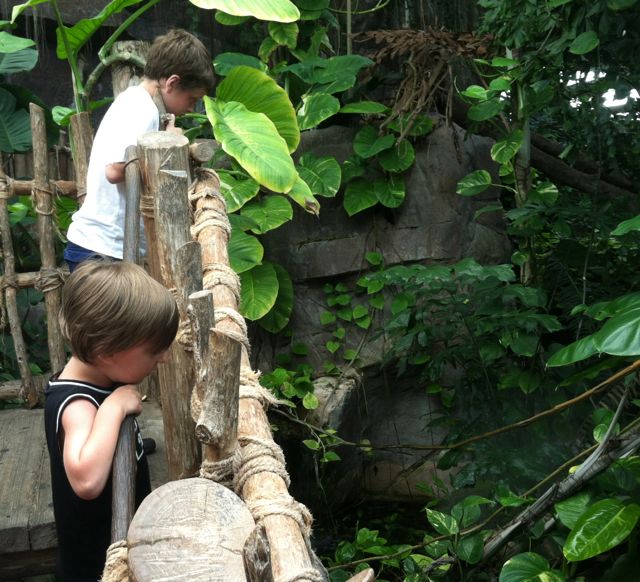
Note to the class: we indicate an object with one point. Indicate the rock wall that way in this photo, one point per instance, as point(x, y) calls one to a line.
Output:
point(434, 225)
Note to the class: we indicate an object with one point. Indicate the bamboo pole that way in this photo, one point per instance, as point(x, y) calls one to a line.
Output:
point(82, 141)
point(261, 489)
point(51, 279)
point(60, 188)
point(164, 161)
point(27, 389)
point(124, 458)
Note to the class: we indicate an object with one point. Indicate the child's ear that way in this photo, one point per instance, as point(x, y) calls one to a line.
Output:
point(172, 83)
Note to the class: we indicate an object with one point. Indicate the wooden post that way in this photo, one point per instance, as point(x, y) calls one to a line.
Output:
point(192, 529)
point(133, 187)
point(217, 382)
point(123, 499)
point(124, 459)
point(51, 279)
point(288, 548)
point(81, 143)
point(27, 388)
point(164, 161)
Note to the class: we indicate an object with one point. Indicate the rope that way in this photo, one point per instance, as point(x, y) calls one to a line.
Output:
point(6, 187)
point(258, 456)
point(250, 387)
point(116, 568)
point(8, 281)
point(215, 274)
point(288, 506)
point(146, 206)
point(220, 471)
point(49, 279)
point(224, 313)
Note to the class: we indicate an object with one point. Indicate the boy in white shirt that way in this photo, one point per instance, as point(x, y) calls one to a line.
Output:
point(179, 70)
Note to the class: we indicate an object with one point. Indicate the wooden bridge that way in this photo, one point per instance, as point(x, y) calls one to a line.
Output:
point(216, 432)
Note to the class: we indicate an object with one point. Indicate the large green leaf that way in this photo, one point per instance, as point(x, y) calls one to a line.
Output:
point(274, 10)
point(259, 291)
point(359, 195)
point(225, 62)
point(15, 126)
point(18, 62)
point(620, 4)
point(485, 110)
point(569, 510)
point(13, 44)
point(330, 75)
point(83, 30)
point(323, 175)
point(20, 8)
point(632, 224)
point(269, 213)
point(444, 524)
point(253, 140)
point(285, 34)
point(398, 158)
point(584, 43)
point(230, 19)
point(237, 192)
point(261, 94)
point(368, 142)
point(279, 315)
point(505, 149)
point(620, 335)
point(470, 548)
point(474, 183)
point(316, 108)
point(301, 194)
point(529, 567)
point(364, 107)
point(577, 351)
point(390, 192)
point(601, 527)
point(245, 251)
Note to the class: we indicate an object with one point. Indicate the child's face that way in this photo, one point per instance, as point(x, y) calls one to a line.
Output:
point(178, 100)
point(132, 365)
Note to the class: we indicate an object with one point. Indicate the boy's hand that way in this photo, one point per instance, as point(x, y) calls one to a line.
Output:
point(171, 124)
point(128, 398)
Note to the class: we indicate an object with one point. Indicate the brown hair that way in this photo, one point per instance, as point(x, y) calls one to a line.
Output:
point(109, 306)
point(180, 53)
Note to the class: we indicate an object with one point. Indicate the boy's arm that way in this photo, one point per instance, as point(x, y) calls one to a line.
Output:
point(91, 436)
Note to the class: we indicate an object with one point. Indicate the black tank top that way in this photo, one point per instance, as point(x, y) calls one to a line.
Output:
point(83, 527)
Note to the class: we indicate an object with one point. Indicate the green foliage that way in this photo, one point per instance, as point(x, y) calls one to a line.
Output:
point(276, 10)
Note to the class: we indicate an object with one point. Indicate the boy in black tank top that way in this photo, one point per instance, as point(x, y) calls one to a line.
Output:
point(119, 323)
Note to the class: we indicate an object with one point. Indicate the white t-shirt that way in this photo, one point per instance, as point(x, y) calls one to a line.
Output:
point(99, 224)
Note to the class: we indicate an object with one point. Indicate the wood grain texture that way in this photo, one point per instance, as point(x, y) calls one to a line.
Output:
point(190, 530)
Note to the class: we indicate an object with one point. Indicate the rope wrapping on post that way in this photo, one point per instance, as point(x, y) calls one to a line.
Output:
point(222, 313)
point(220, 274)
point(220, 471)
point(116, 568)
point(48, 280)
point(258, 456)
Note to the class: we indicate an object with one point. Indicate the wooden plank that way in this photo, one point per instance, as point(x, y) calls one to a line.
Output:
point(193, 529)
point(21, 448)
point(42, 525)
point(15, 567)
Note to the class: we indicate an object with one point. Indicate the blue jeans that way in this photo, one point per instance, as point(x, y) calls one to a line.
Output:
point(75, 254)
